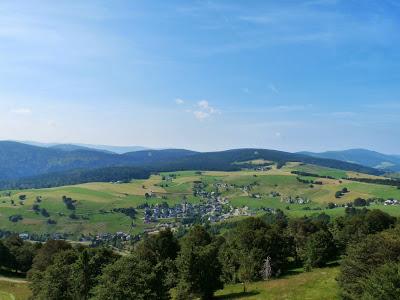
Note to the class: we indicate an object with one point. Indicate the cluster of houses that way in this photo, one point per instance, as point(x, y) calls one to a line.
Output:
point(296, 200)
point(213, 207)
point(42, 237)
point(391, 202)
point(108, 238)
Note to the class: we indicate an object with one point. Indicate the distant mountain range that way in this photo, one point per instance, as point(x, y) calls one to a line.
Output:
point(363, 157)
point(35, 166)
point(78, 146)
point(19, 160)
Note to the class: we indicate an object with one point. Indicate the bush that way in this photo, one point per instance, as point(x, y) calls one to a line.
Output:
point(364, 258)
point(360, 202)
point(383, 283)
point(15, 218)
point(320, 249)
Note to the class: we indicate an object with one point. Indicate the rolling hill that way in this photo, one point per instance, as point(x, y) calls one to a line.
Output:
point(24, 165)
point(18, 160)
point(364, 157)
point(72, 147)
point(79, 146)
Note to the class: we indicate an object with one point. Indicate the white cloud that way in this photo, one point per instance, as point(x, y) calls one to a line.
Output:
point(204, 110)
point(201, 110)
point(205, 106)
point(179, 101)
point(289, 108)
point(21, 111)
point(201, 115)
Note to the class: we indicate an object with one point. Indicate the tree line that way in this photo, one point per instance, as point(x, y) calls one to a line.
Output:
point(196, 263)
point(384, 181)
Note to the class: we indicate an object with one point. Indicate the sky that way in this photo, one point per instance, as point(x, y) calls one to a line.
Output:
point(204, 75)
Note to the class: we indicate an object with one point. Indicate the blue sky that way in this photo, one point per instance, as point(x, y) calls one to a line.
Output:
point(204, 75)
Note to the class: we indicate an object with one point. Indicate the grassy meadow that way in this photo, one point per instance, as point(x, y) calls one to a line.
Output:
point(95, 201)
point(10, 290)
point(319, 284)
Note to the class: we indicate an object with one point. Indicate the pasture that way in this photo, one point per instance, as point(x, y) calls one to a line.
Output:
point(256, 190)
point(319, 284)
point(14, 290)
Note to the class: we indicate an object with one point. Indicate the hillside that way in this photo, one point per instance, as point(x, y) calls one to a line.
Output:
point(18, 160)
point(72, 147)
point(247, 192)
point(24, 165)
point(76, 146)
point(316, 285)
point(227, 161)
point(21, 163)
point(364, 157)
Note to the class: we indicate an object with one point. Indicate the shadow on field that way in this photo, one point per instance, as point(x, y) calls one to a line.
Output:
point(238, 295)
point(298, 269)
point(11, 274)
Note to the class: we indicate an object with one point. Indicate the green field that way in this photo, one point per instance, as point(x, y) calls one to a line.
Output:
point(14, 290)
point(95, 201)
point(320, 284)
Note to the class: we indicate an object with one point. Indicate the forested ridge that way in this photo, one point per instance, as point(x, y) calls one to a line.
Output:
point(26, 166)
point(196, 262)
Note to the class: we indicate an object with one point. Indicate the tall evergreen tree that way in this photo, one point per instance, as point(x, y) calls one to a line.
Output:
point(198, 267)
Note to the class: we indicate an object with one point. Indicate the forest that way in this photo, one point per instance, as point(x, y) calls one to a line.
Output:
point(195, 262)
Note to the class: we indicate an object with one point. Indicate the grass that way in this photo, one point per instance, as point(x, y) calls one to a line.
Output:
point(95, 201)
point(318, 284)
point(13, 290)
point(321, 171)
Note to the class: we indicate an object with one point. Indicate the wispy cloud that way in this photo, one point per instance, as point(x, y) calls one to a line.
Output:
point(52, 123)
point(21, 111)
point(272, 109)
point(281, 123)
point(383, 105)
point(201, 115)
point(320, 2)
point(179, 101)
point(258, 19)
point(289, 108)
point(343, 114)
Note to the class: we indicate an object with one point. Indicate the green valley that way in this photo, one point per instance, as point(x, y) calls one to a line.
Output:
point(99, 208)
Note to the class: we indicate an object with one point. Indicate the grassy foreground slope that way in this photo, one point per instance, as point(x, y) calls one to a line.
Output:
point(319, 284)
point(10, 290)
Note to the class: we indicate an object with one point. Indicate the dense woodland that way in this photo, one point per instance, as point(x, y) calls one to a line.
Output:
point(24, 166)
point(110, 174)
point(198, 261)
